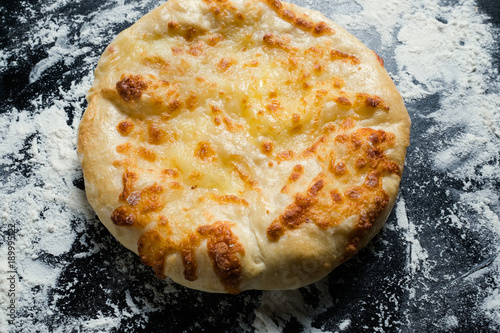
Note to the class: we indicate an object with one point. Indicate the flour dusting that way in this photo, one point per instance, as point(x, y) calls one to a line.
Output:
point(434, 267)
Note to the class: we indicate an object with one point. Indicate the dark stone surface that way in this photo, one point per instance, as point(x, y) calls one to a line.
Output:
point(370, 290)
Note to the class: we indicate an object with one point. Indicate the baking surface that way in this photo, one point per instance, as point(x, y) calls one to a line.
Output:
point(433, 268)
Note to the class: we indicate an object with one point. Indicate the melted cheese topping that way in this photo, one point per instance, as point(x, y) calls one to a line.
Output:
point(218, 131)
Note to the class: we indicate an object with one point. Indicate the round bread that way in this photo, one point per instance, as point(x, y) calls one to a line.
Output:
point(242, 144)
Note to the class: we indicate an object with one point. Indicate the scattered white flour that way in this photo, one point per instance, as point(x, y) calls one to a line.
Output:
point(345, 324)
point(68, 275)
point(417, 256)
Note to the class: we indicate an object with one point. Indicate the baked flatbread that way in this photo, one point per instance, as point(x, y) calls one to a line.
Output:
point(242, 144)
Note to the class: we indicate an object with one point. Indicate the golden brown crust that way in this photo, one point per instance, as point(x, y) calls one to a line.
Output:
point(224, 250)
point(260, 113)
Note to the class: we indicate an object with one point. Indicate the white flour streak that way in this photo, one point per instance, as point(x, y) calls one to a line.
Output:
point(417, 255)
point(278, 307)
point(345, 324)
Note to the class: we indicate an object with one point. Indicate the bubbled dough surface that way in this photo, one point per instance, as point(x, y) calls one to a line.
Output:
point(228, 84)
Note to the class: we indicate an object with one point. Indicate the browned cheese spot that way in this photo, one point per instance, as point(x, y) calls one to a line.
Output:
point(372, 179)
point(175, 186)
point(224, 249)
point(288, 15)
point(133, 198)
point(336, 196)
point(361, 163)
point(343, 101)
point(155, 244)
point(275, 4)
point(367, 217)
point(187, 32)
point(354, 192)
point(356, 140)
point(345, 57)
point(172, 25)
point(304, 24)
point(297, 172)
point(125, 127)
point(338, 83)
point(348, 123)
point(375, 137)
point(159, 64)
point(191, 33)
point(205, 152)
point(224, 64)
point(123, 217)
point(128, 180)
point(130, 87)
point(135, 211)
point(366, 149)
point(196, 49)
point(217, 120)
point(196, 175)
point(253, 63)
point(339, 169)
point(285, 155)
point(394, 168)
point(341, 138)
point(151, 199)
point(273, 105)
point(314, 147)
point(124, 148)
point(229, 200)
point(191, 101)
point(372, 101)
point(276, 42)
point(137, 204)
point(157, 136)
point(329, 127)
point(320, 93)
point(267, 147)
point(174, 105)
point(176, 50)
point(307, 85)
point(215, 109)
point(296, 213)
point(230, 125)
point(243, 174)
point(188, 248)
point(321, 28)
point(301, 22)
point(173, 173)
point(146, 154)
point(214, 40)
point(153, 247)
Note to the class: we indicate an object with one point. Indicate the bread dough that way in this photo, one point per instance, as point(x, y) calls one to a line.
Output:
point(242, 144)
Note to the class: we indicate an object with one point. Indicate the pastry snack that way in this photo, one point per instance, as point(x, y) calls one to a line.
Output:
point(242, 144)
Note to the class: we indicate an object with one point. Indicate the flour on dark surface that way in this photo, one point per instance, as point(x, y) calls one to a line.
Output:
point(433, 268)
